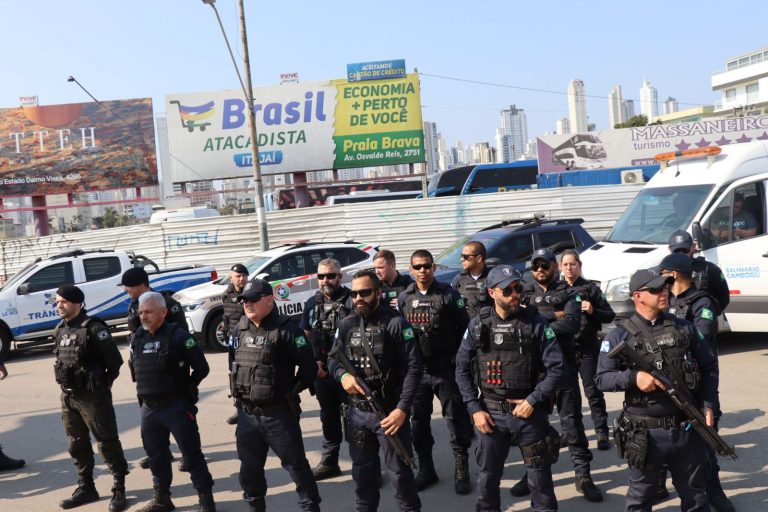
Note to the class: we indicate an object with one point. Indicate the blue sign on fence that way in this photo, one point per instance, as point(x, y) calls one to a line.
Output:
point(378, 70)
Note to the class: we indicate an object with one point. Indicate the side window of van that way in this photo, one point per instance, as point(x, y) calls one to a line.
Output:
point(739, 215)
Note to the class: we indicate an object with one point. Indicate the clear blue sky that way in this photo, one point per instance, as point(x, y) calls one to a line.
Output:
point(141, 48)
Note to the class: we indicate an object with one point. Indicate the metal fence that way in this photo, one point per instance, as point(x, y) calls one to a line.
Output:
point(401, 226)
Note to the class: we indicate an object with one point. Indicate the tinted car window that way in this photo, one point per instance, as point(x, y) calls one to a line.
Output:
point(51, 277)
point(286, 267)
point(559, 239)
point(514, 249)
point(101, 268)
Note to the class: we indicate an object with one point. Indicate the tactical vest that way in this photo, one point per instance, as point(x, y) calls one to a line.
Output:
point(475, 293)
point(360, 346)
point(676, 347)
point(328, 314)
point(700, 276)
point(70, 367)
point(254, 374)
point(553, 300)
point(504, 366)
point(423, 313)
point(682, 309)
point(233, 310)
point(156, 375)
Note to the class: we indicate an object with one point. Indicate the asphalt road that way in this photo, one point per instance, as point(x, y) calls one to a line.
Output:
point(31, 428)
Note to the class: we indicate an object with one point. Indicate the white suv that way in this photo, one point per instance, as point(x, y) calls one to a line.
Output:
point(289, 268)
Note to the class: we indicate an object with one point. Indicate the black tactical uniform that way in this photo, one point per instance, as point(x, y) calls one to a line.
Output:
point(265, 382)
point(390, 364)
point(321, 318)
point(474, 291)
point(168, 367)
point(390, 292)
point(709, 278)
point(175, 311)
point(87, 362)
point(233, 309)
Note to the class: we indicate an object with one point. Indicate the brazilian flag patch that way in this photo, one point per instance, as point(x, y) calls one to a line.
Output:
point(578, 298)
point(408, 334)
point(299, 341)
point(549, 333)
point(706, 314)
point(190, 342)
point(460, 302)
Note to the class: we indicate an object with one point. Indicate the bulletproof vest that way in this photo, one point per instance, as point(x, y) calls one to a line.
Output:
point(423, 313)
point(70, 367)
point(700, 276)
point(254, 374)
point(682, 308)
point(676, 347)
point(155, 373)
point(505, 356)
point(328, 313)
point(474, 292)
point(365, 350)
point(233, 310)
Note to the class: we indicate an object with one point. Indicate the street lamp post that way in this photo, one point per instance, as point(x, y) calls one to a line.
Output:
point(248, 91)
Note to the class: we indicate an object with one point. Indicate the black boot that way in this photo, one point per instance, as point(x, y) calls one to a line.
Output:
point(717, 498)
point(587, 487)
point(427, 475)
point(521, 488)
point(85, 493)
point(661, 487)
point(325, 470)
point(232, 420)
point(161, 502)
point(205, 501)
point(603, 443)
point(461, 475)
point(118, 503)
point(7, 463)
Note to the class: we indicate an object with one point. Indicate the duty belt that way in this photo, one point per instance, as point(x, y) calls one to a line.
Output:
point(649, 422)
point(504, 406)
point(159, 403)
point(254, 410)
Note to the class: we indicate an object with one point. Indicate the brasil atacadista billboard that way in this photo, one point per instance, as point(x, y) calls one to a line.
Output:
point(303, 126)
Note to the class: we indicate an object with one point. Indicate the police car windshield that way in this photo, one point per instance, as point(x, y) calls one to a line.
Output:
point(655, 213)
point(451, 257)
point(254, 265)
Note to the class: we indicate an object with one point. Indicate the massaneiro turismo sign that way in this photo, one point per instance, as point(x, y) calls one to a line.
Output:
point(638, 146)
point(54, 149)
point(301, 127)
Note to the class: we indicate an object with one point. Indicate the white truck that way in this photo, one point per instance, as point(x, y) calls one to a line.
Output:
point(28, 299)
point(718, 194)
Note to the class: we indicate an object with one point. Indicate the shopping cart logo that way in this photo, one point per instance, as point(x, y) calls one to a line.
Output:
point(195, 116)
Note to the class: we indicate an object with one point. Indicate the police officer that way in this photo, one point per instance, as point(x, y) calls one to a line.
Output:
point(595, 311)
point(135, 281)
point(392, 281)
point(691, 304)
point(87, 363)
point(320, 319)
point(707, 276)
point(233, 310)
point(504, 353)
point(269, 347)
point(7, 463)
point(658, 432)
point(382, 346)
point(470, 282)
point(439, 318)
point(162, 355)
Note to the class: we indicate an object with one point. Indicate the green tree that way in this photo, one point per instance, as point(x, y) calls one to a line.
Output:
point(110, 218)
point(639, 120)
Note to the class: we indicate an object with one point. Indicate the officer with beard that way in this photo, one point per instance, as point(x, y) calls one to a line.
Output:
point(392, 282)
point(471, 281)
point(320, 319)
point(382, 346)
point(505, 351)
point(233, 310)
point(562, 310)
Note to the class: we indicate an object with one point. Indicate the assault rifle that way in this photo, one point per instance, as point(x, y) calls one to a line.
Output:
point(376, 405)
point(632, 359)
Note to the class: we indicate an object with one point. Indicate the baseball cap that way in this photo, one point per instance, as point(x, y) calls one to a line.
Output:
point(239, 268)
point(677, 262)
point(648, 278)
point(255, 289)
point(502, 276)
point(544, 254)
point(134, 277)
point(680, 240)
point(71, 293)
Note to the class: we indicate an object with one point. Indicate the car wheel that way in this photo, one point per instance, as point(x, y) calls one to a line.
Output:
point(5, 343)
point(214, 338)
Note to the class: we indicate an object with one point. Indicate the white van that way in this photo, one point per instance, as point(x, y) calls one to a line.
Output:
point(718, 194)
point(195, 212)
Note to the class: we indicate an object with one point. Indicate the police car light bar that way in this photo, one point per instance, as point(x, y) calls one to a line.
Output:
point(709, 152)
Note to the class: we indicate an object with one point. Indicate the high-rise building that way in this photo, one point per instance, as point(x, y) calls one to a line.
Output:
point(742, 85)
point(563, 126)
point(482, 153)
point(628, 109)
point(446, 155)
point(577, 106)
point(430, 147)
point(512, 135)
point(531, 150)
point(649, 100)
point(615, 107)
point(670, 105)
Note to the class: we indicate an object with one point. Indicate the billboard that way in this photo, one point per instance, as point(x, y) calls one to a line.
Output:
point(76, 147)
point(304, 126)
point(639, 145)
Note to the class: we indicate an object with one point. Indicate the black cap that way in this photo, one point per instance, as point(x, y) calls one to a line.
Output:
point(677, 262)
point(71, 293)
point(239, 268)
point(680, 240)
point(648, 278)
point(502, 276)
point(544, 254)
point(134, 277)
point(255, 289)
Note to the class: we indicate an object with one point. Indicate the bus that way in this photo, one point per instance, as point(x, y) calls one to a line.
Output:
point(484, 178)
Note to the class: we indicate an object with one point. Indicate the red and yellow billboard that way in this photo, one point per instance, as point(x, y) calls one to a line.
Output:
point(55, 149)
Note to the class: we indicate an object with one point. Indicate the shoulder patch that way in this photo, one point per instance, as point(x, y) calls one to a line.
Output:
point(549, 333)
point(102, 335)
point(460, 302)
point(190, 342)
point(605, 346)
point(299, 341)
point(707, 314)
point(408, 334)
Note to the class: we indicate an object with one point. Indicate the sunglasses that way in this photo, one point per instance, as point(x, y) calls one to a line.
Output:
point(331, 275)
point(509, 290)
point(426, 266)
point(540, 266)
point(252, 301)
point(655, 291)
point(365, 292)
point(467, 256)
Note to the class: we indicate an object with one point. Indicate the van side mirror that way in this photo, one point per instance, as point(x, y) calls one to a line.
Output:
point(25, 289)
point(702, 242)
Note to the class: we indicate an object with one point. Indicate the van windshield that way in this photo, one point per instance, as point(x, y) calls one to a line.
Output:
point(655, 213)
